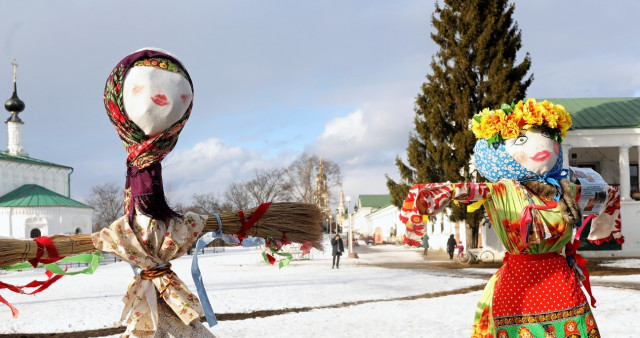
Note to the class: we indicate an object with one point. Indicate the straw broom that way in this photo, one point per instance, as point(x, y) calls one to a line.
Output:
point(298, 221)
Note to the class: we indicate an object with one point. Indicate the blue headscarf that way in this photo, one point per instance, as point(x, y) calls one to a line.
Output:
point(494, 163)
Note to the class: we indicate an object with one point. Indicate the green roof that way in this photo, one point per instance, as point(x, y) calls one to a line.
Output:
point(32, 195)
point(602, 112)
point(26, 159)
point(374, 201)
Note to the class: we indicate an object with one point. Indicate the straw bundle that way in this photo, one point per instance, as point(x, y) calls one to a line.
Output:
point(14, 251)
point(299, 222)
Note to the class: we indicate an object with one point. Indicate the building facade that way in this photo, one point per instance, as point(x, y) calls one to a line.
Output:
point(35, 194)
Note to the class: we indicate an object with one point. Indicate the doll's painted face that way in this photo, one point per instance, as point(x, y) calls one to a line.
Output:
point(535, 150)
point(155, 99)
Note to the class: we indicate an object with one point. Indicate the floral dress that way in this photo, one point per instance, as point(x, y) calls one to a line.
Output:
point(157, 302)
point(535, 292)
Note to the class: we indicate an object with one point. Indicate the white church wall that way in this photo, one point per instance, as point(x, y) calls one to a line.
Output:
point(48, 220)
point(366, 220)
point(7, 229)
point(16, 174)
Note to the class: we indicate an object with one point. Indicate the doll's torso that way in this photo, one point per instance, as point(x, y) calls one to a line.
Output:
point(505, 208)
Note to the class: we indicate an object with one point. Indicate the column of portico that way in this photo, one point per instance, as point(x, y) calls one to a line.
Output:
point(625, 180)
point(565, 155)
point(638, 148)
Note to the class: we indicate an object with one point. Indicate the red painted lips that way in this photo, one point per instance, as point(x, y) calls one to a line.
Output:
point(541, 156)
point(160, 100)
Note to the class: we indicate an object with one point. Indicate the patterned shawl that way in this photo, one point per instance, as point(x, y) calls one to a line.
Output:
point(143, 189)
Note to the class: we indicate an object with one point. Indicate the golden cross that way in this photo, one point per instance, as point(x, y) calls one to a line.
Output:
point(15, 67)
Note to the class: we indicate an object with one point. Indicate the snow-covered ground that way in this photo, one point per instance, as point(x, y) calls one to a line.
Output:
point(238, 281)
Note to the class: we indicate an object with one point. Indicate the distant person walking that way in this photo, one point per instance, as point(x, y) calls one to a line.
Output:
point(451, 246)
point(425, 244)
point(338, 249)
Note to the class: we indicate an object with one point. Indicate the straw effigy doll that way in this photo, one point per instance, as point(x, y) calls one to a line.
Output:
point(532, 208)
point(148, 97)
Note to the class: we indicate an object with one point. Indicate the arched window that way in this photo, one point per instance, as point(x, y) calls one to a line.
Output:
point(78, 231)
point(35, 233)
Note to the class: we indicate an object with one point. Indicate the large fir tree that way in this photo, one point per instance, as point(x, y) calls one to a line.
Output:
point(474, 68)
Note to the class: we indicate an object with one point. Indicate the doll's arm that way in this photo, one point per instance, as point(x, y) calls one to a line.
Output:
point(431, 198)
point(606, 225)
point(43, 249)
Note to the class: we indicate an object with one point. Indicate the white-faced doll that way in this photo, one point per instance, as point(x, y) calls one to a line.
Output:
point(532, 208)
point(148, 97)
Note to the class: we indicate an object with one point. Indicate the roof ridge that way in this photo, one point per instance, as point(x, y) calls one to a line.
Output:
point(33, 195)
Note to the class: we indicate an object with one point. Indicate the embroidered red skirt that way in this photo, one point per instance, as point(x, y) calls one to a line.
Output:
point(538, 295)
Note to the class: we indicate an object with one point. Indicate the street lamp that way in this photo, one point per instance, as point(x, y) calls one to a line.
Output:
point(350, 237)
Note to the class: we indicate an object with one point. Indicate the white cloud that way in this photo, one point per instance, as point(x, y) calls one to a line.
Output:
point(210, 166)
point(366, 142)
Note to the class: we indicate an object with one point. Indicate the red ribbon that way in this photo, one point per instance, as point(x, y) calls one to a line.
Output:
point(45, 242)
point(284, 239)
point(571, 252)
point(526, 217)
point(41, 285)
point(306, 247)
point(271, 259)
point(14, 310)
point(247, 224)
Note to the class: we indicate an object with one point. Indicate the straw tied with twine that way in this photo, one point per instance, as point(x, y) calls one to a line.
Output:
point(285, 221)
point(299, 222)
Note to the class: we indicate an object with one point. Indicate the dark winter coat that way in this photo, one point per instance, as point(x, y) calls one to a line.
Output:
point(451, 244)
point(338, 246)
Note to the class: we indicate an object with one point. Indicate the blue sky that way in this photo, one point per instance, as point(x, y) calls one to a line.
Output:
point(275, 78)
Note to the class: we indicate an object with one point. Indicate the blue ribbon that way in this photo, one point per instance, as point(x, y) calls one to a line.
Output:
point(195, 268)
point(553, 178)
point(197, 276)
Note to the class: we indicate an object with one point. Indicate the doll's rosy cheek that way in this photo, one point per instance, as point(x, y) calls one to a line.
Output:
point(520, 157)
point(136, 89)
point(185, 98)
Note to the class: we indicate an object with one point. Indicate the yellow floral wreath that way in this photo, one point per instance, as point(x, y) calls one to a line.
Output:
point(508, 121)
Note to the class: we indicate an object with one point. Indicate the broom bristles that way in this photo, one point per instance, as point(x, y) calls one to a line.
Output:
point(298, 221)
point(14, 251)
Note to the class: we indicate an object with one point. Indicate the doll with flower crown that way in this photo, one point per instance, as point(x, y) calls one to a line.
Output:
point(532, 207)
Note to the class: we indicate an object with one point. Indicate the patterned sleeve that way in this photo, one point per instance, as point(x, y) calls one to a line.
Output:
point(607, 224)
point(428, 199)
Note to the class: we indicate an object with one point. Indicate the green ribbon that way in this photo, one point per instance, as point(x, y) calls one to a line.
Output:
point(283, 262)
point(93, 259)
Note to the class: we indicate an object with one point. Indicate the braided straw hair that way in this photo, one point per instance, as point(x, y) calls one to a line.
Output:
point(567, 203)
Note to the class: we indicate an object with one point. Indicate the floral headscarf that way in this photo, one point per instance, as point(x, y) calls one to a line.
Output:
point(144, 190)
point(142, 150)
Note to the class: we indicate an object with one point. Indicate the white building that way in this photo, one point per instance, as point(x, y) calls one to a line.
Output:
point(377, 219)
point(34, 194)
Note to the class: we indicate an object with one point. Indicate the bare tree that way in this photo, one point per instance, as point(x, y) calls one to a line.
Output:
point(237, 196)
point(208, 204)
point(269, 186)
point(302, 173)
point(107, 201)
